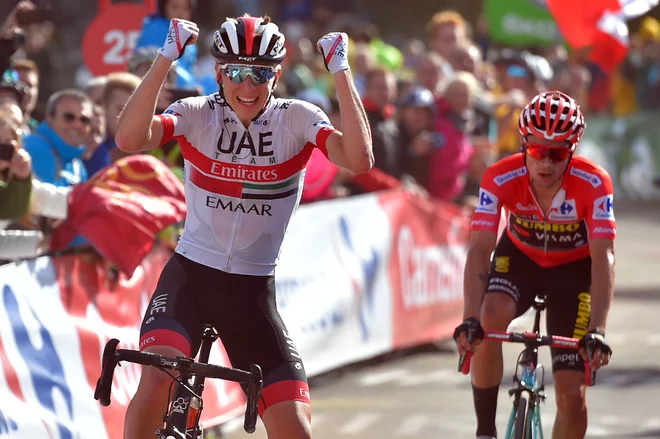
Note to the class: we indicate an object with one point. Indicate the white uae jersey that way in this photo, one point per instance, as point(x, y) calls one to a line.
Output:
point(242, 185)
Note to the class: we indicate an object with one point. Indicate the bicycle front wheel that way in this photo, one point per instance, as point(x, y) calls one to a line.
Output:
point(520, 429)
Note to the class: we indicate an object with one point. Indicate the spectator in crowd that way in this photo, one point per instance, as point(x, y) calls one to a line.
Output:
point(417, 138)
point(154, 31)
point(58, 143)
point(466, 57)
point(573, 79)
point(647, 60)
point(298, 65)
point(11, 87)
point(15, 170)
point(95, 88)
point(412, 51)
point(445, 31)
point(28, 74)
point(433, 71)
point(629, 81)
point(450, 159)
point(142, 59)
point(363, 62)
point(379, 98)
point(139, 64)
point(12, 36)
point(11, 109)
point(118, 88)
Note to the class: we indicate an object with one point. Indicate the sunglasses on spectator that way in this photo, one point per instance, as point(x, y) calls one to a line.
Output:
point(70, 117)
point(239, 73)
point(556, 154)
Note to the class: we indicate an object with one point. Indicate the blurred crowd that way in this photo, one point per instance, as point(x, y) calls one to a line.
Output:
point(442, 108)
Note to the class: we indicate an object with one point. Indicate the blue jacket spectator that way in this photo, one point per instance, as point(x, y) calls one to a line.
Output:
point(154, 32)
point(57, 144)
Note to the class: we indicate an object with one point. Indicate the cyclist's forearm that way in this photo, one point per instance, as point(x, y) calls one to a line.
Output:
point(134, 125)
point(475, 281)
point(602, 289)
point(356, 139)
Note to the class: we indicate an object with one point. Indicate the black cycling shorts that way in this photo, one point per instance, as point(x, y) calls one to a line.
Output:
point(567, 286)
point(242, 309)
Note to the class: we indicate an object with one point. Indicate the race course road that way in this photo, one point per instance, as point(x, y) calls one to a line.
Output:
point(420, 395)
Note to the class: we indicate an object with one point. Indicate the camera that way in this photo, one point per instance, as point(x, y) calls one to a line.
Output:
point(6, 151)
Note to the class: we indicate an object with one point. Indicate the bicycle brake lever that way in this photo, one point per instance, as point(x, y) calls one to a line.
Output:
point(464, 360)
point(253, 396)
point(590, 347)
point(108, 364)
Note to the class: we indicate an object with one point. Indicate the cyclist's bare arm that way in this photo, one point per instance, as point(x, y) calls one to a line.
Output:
point(352, 148)
point(602, 281)
point(482, 244)
point(138, 129)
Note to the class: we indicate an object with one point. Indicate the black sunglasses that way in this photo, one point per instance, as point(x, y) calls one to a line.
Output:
point(70, 117)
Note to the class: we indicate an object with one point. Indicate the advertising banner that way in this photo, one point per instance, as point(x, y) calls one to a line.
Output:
point(357, 277)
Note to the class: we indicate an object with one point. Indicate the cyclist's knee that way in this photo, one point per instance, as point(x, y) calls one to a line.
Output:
point(570, 391)
point(154, 383)
point(573, 401)
point(288, 420)
point(497, 311)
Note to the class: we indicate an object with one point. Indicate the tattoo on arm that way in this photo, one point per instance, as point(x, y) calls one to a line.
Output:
point(483, 277)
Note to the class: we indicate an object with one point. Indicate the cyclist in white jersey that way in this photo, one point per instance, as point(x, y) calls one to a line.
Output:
point(245, 154)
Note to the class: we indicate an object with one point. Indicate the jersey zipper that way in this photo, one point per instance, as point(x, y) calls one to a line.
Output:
point(232, 239)
point(235, 220)
point(545, 223)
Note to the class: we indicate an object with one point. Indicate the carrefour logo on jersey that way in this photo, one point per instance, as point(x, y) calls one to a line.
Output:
point(566, 211)
point(488, 202)
point(604, 207)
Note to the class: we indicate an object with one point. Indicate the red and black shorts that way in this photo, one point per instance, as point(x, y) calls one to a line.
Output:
point(244, 312)
point(566, 287)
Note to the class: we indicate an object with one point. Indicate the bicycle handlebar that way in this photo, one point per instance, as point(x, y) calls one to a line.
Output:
point(533, 339)
point(112, 356)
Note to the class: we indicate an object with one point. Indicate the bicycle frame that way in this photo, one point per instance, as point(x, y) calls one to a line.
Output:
point(185, 406)
point(528, 360)
point(181, 420)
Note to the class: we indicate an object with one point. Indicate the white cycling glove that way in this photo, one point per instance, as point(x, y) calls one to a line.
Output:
point(334, 48)
point(180, 34)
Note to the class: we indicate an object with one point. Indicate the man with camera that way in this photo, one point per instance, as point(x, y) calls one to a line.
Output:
point(15, 171)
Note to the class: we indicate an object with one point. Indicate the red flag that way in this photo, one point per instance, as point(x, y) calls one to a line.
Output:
point(120, 211)
point(600, 25)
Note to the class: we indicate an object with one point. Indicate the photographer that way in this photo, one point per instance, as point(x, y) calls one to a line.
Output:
point(15, 171)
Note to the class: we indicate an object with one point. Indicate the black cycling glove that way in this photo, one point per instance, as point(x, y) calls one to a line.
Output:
point(472, 328)
point(597, 340)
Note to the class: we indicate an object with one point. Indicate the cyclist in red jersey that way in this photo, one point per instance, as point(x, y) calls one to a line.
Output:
point(559, 241)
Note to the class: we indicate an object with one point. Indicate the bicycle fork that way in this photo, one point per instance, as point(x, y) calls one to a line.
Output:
point(526, 384)
point(186, 406)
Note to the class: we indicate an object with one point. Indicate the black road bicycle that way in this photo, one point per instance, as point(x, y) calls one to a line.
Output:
point(184, 410)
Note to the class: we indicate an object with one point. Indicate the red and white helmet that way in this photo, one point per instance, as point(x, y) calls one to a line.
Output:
point(552, 115)
point(248, 39)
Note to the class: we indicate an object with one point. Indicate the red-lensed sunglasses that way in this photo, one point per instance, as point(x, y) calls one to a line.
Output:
point(554, 153)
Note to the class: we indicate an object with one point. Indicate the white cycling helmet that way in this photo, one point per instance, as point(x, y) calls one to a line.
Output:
point(248, 39)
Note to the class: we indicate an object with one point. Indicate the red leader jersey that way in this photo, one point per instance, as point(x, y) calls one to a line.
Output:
point(581, 210)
